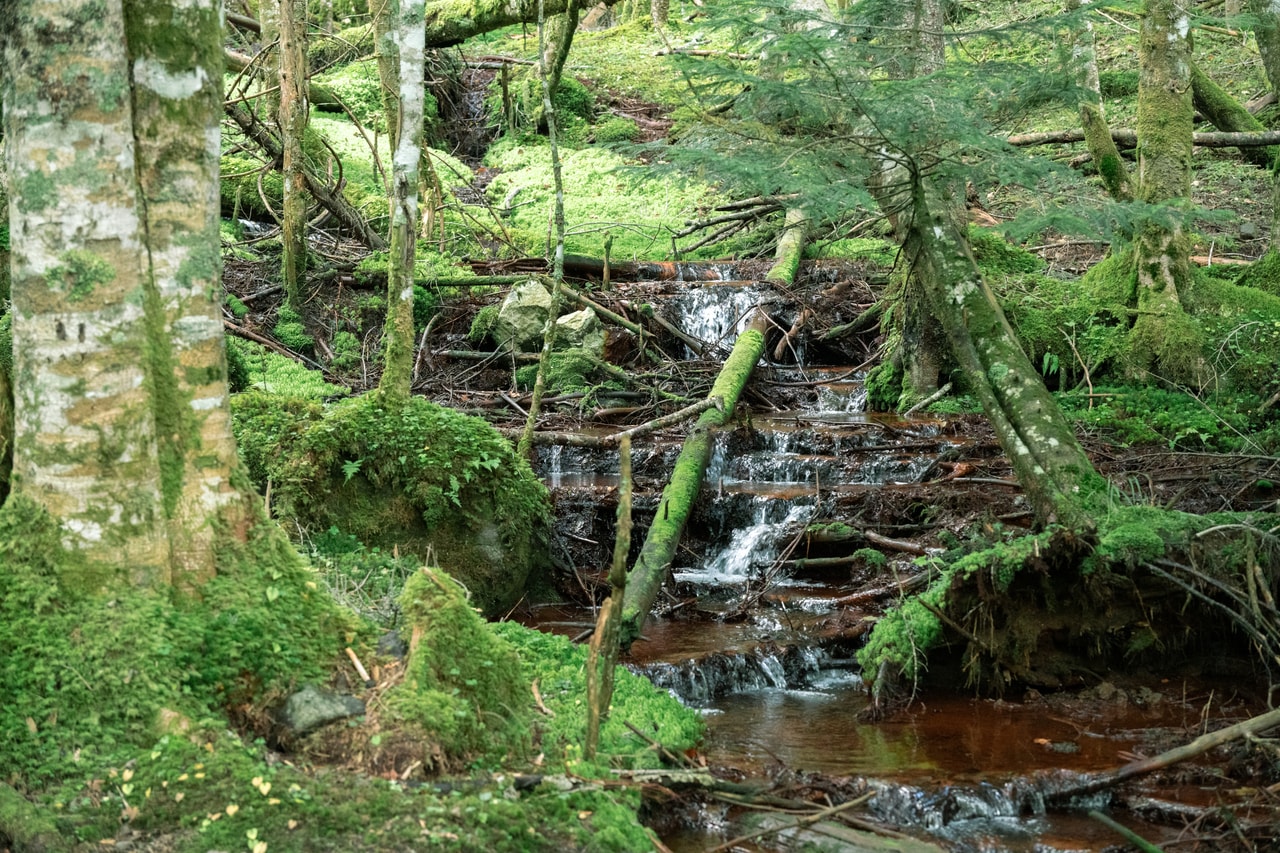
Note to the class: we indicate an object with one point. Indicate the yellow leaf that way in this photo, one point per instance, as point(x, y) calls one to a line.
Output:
point(293, 824)
point(232, 809)
point(274, 801)
point(256, 781)
point(184, 777)
point(260, 847)
point(177, 798)
point(251, 834)
point(126, 789)
point(265, 788)
point(127, 774)
point(31, 726)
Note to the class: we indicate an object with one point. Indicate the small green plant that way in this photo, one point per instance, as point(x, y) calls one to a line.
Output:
point(291, 331)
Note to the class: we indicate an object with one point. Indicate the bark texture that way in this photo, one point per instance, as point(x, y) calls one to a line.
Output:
point(1266, 29)
point(121, 421)
point(407, 56)
point(294, 113)
point(645, 579)
point(1164, 126)
point(1056, 474)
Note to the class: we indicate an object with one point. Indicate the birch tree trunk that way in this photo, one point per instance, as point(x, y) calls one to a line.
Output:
point(121, 419)
point(294, 115)
point(405, 53)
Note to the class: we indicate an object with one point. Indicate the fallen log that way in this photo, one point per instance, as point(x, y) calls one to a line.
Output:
point(790, 247)
point(1128, 138)
point(574, 439)
point(645, 579)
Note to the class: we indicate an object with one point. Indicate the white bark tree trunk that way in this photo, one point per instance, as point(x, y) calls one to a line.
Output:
point(122, 425)
point(405, 44)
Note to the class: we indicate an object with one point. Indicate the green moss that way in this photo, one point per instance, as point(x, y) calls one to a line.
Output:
point(474, 704)
point(94, 672)
point(997, 257)
point(614, 130)
point(482, 325)
point(291, 331)
point(874, 250)
point(884, 386)
point(1264, 273)
point(568, 372)
point(272, 373)
point(559, 667)
point(420, 478)
point(360, 89)
point(79, 274)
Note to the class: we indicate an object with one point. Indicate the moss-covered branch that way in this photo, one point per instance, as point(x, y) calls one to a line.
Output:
point(1228, 115)
point(678, 497)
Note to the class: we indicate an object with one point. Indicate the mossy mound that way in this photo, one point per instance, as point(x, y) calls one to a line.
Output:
point(88, 673)
point(419, 478)
point(1050, 609)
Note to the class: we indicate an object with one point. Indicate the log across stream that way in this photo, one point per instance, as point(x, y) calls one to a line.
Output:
point(755, 626)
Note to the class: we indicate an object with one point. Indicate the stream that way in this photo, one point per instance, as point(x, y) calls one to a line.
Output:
point(755, 640)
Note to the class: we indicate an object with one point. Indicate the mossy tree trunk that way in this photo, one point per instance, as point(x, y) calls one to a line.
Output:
point(1266, 30)
point(1059, 479)
point(645, 579)
point(1228, 115)
point(1093, 118)
point(404, 52)
point(1164, 126)
point(294, 115)
point(557, 41)
point(121, 411)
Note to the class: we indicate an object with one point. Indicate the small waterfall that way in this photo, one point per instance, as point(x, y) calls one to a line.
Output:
point(751, 547)
point(716, 314)
point(700, 682)
point(554, 472)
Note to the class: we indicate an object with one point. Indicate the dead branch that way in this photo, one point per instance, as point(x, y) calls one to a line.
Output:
point(1093, 782)
point(574, 439)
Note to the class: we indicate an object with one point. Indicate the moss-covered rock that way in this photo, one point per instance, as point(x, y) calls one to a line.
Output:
point(422, 479)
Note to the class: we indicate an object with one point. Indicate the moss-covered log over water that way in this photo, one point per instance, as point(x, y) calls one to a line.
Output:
point(645, 579)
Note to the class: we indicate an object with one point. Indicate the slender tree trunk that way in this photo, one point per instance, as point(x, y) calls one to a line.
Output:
point(294, 114)
point(1056, 474)
point(1093, 119)
point(525, 446)
point(659, 12)
point(928, 48)
point(1164, 126)
point(405, 39)
point(603, 656)
point(557, 41)
point(177, 104)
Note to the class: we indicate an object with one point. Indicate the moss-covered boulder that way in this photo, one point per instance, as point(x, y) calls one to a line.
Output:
point(419, 478)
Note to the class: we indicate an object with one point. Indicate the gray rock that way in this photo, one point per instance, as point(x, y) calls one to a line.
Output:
point(582, 330)
point(1249, 231)
point(312, 707)
point(523, 316)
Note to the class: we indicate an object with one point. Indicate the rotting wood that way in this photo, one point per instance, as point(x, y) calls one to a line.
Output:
point(908, 584)
point(864, 322)
point(682, 490)
point(1093, 782)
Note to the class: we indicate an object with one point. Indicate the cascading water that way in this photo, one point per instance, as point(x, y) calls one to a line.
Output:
point(715, 314)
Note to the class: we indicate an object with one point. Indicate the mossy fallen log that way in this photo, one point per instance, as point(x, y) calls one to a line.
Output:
point(645, 579)
point(1228, 115)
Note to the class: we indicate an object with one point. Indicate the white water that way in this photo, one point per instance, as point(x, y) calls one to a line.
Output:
point(715, 314)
